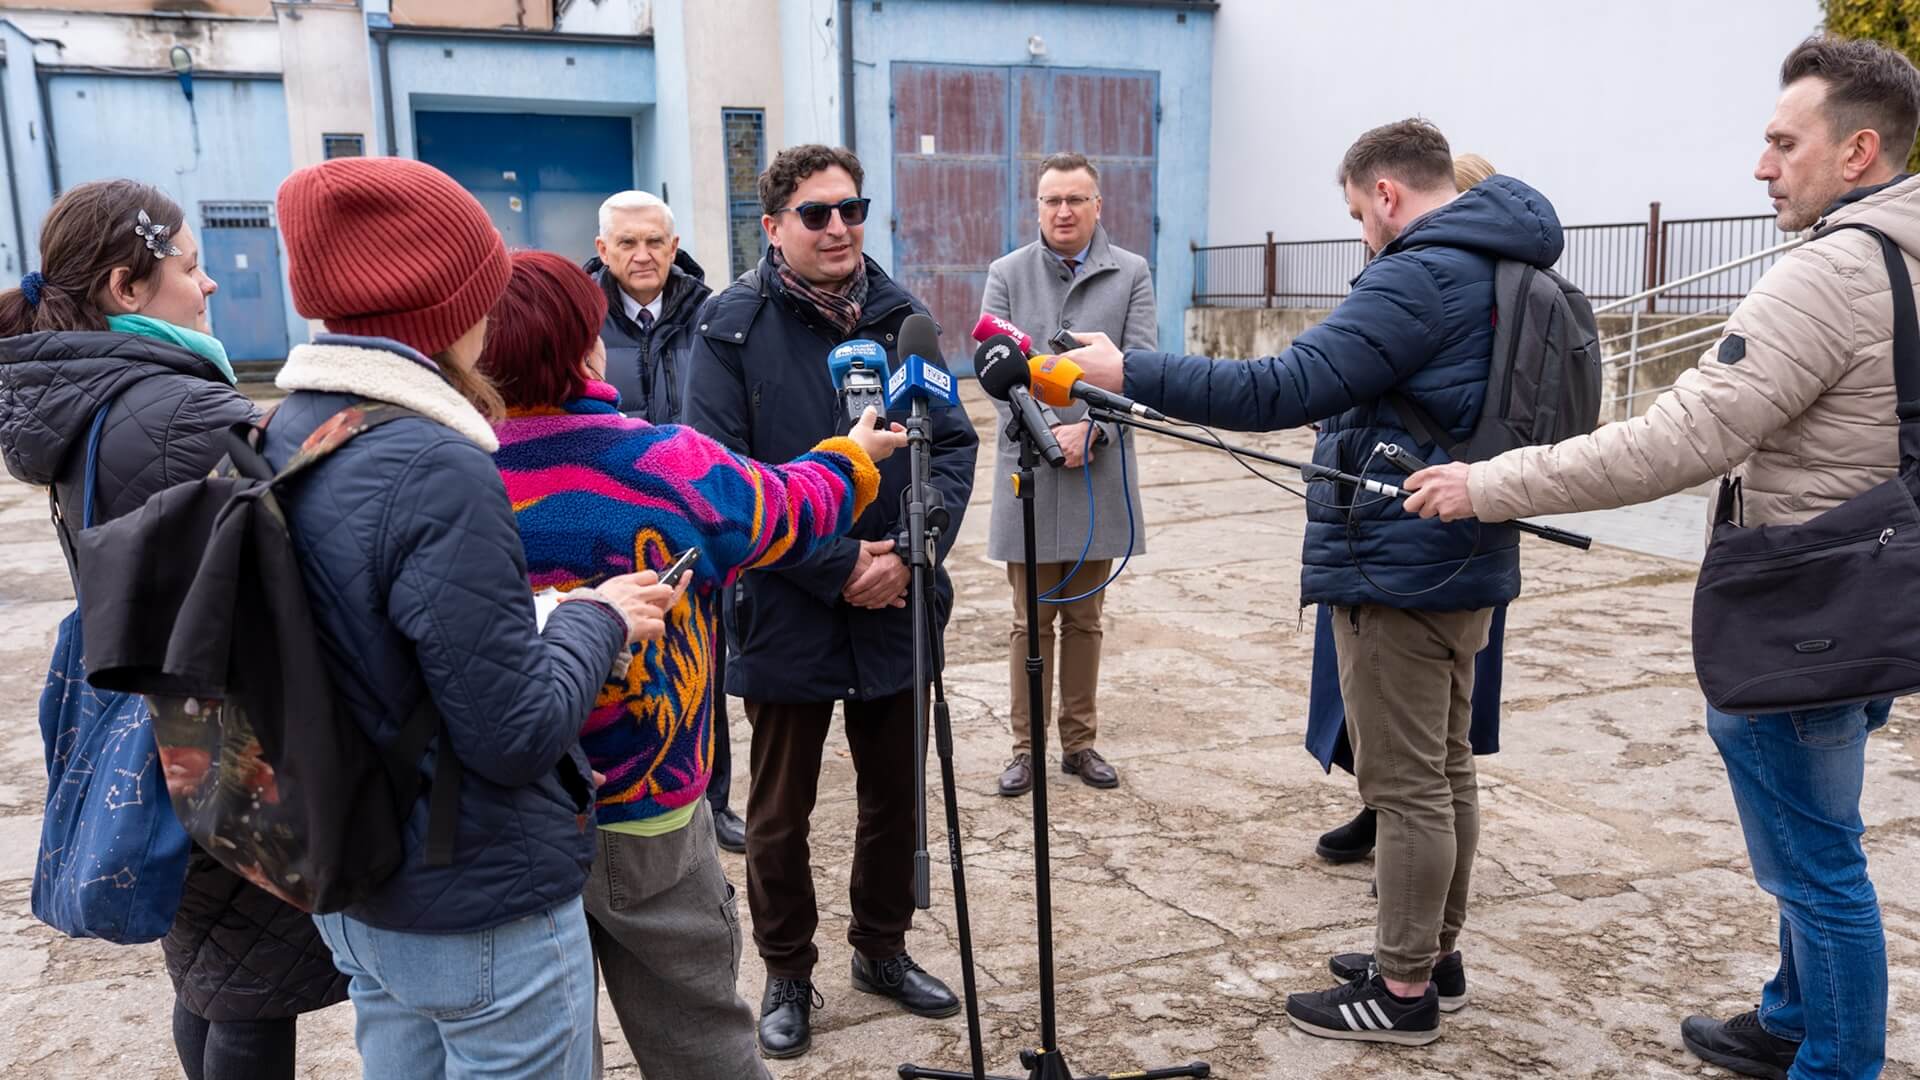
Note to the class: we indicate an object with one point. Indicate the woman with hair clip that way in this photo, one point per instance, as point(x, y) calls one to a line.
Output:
point(598, 493)
point(117, 313)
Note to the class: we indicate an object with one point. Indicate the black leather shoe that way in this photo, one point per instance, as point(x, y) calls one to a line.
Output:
point(1740, 1045)
point(730, 830)
point(1091, 768)
point(903, 980)
point(1018, 779)
point(1350, 842)
point(786, 1017)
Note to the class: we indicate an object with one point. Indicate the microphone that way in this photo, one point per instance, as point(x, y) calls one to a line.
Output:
point(859, 372)
point(921, 376)
point(989, 325)
point(1002, 369)
point(1056, 381)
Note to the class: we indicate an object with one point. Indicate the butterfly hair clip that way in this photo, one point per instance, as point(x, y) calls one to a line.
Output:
point(158, 237)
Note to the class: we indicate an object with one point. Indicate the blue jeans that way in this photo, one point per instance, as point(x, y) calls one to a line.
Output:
point(512, 1002)
point(1796, 781)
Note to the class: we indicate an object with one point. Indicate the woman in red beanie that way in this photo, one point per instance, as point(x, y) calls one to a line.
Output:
point(477, 962)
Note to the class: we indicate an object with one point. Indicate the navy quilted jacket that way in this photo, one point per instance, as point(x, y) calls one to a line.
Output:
point(417, 580)
point(1419, 322)
point(170, 410)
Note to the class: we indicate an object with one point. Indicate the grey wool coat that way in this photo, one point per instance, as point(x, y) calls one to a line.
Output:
point(1112, 293)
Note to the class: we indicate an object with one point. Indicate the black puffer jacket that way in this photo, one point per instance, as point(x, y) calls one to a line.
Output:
point(234, 952)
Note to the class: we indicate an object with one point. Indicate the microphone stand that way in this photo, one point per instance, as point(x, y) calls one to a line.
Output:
point(927, 518)
point(1047, 1062)
point(1310, 471)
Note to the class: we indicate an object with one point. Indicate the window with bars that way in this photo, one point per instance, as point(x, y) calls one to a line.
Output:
point(745, 135)
point(237, 215)
point(339, 146)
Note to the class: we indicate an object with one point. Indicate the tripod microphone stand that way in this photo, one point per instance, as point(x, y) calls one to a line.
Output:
point(927, 518)
point(1047, 1062)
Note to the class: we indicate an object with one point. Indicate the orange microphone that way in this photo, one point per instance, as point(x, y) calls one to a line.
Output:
point(1056, 381)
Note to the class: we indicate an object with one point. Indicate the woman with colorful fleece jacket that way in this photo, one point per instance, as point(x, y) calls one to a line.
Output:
point(598, 493)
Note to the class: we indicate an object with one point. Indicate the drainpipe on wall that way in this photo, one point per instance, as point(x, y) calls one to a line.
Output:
point(380, 39)
point(13, 177)
point(846, 73)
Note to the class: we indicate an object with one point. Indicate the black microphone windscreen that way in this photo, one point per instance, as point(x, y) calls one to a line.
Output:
point(1000, 366)
point(920, 336)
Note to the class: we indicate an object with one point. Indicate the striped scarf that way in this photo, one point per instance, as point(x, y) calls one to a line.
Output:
point(841, 310)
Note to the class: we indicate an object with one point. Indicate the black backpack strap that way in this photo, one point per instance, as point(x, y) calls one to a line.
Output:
point(1421, 423)
point(1906, 341)
point(402, 757)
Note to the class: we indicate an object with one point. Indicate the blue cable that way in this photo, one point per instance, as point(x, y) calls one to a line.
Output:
point(1092, 519)
point(1126, 494)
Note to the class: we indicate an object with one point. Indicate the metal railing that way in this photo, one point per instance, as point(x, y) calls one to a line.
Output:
point(1608, 262)
point(1660, 342)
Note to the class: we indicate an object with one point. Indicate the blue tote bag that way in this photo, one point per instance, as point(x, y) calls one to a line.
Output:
point(113, 857)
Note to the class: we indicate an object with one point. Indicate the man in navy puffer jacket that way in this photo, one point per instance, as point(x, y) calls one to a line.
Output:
point(1412, 602)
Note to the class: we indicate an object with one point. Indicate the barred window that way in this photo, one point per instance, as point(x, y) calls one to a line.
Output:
point(745, 133)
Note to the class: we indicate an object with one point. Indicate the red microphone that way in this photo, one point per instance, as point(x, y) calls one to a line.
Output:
point(990, 325)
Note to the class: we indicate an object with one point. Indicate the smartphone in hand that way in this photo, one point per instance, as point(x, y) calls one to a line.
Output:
point(682, 563)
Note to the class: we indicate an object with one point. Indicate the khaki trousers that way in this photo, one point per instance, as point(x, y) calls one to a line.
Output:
point(1406, 678)
point(1079, 659)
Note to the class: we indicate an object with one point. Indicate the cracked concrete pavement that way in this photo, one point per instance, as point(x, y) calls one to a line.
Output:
point(1612, 894)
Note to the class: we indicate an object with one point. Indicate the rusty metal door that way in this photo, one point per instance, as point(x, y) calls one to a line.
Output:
point(967, 146)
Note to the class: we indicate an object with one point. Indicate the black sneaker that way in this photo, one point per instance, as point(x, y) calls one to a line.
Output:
point(1363, 1010)
point(1449, 976)
point(1739, 1044)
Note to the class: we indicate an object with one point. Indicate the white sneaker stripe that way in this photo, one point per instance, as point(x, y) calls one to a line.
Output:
point(1347, 1014)
point(1374, 1003)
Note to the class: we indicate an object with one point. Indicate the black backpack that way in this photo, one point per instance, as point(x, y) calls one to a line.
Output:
point(1544, 383)
point(265, 769)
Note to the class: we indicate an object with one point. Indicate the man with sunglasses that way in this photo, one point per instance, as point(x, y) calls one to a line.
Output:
point(836, 628)
point(1071, 278)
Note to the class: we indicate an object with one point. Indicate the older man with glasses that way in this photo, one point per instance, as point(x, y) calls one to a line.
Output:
point(1071, 278)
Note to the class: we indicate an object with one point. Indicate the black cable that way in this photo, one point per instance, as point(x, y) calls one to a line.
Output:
point(1348, 509)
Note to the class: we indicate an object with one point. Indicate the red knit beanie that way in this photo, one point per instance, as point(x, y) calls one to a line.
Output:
point(390, 247)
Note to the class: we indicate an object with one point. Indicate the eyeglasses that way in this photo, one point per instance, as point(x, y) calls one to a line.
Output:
point(814, 215)
point(1052, 203)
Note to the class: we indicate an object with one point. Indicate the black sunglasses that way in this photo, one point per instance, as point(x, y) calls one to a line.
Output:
point(814, 215)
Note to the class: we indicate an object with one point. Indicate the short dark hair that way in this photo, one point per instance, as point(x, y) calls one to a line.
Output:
point(1068, 161)
point(1410, 151)
point(796, 163)
point(1868, 86)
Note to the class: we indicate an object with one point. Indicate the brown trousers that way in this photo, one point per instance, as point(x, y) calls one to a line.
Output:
point(1406, 678)
point(1079, 666)
point(787, 742)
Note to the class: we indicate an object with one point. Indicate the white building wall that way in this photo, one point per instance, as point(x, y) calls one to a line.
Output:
point(328, 77)
point(810, 71)
point(606, 17)
point(1604, 105)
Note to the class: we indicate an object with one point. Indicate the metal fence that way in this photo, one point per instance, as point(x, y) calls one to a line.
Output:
point(1608, 262)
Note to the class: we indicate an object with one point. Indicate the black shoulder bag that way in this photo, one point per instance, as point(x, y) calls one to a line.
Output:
point(1789, 617)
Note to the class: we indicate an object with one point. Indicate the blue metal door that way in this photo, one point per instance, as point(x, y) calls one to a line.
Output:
point(541, 177)
point(240, 251)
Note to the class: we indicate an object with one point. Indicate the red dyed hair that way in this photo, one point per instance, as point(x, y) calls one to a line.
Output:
point(542, 330)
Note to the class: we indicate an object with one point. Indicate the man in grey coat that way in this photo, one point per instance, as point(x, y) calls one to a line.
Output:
point(1071, 278)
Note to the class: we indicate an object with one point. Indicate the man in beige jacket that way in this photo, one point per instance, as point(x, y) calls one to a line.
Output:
point(1796, 400)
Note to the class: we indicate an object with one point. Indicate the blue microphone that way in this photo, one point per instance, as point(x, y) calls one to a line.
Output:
point(858, 369)
point(921, 377)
